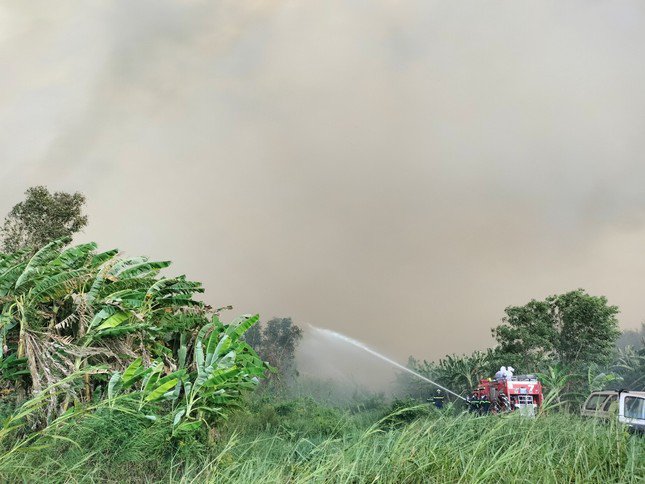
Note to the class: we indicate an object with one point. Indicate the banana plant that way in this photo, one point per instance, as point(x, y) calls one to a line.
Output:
point(461, 372)
point(12, 368)
point(630, 364)
point(224, 366)
point(555, 380)
point(204, 387)
point(599, 380)
point(154, 387)
point(65, 308)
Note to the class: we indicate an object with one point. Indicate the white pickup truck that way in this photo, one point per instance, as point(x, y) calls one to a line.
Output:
point(628, 406)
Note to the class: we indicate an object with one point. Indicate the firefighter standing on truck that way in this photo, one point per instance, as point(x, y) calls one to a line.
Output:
point(438, 399)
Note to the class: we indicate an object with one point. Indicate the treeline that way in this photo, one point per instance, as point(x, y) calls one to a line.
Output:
point(570, 341)
point(72, 309)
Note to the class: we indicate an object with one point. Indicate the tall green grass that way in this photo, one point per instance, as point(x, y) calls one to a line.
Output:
point(445, 449)
point(109, 446)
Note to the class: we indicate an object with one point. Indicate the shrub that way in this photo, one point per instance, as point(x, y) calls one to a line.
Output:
point(404, 411)
point(297, 418)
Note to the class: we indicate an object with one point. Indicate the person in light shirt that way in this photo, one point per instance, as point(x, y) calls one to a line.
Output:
point(501, 374)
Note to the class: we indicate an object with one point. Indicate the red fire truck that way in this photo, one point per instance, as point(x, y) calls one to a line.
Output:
point(522, 393)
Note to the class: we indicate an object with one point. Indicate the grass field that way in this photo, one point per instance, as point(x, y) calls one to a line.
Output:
point(301, 441)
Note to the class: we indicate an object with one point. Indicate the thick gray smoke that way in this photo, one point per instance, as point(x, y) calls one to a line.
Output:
point(398, 171)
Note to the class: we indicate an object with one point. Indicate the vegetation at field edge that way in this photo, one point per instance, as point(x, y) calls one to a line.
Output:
point(302, 441)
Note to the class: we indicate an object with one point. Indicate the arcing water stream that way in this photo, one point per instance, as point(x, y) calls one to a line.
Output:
point(358, 344)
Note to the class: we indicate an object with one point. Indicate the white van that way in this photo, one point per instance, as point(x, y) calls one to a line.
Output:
point(632, 410)
point(628, 406)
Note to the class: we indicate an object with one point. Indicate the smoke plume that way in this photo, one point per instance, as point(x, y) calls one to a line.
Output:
point(398, 171)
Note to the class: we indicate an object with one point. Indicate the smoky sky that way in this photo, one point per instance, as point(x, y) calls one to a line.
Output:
point(400, 171)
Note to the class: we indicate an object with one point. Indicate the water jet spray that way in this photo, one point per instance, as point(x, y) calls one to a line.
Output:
point(362, 346)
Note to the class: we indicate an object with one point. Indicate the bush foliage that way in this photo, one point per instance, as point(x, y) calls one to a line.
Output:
point(79, 326)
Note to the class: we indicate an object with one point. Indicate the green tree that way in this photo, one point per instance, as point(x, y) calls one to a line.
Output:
point(42, 217)
point(572, 329)
point(276, 343)
point(632, 337)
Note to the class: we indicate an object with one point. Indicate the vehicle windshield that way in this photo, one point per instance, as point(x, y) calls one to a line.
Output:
point(595, 401)
point(635, 407)
point(609, 402)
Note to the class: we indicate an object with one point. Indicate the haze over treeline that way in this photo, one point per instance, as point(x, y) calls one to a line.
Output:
point(397, 171)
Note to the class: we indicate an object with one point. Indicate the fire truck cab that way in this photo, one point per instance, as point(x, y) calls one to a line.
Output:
point(522, 393)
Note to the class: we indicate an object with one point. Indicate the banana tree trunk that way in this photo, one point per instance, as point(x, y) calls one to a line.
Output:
point(21, 387)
